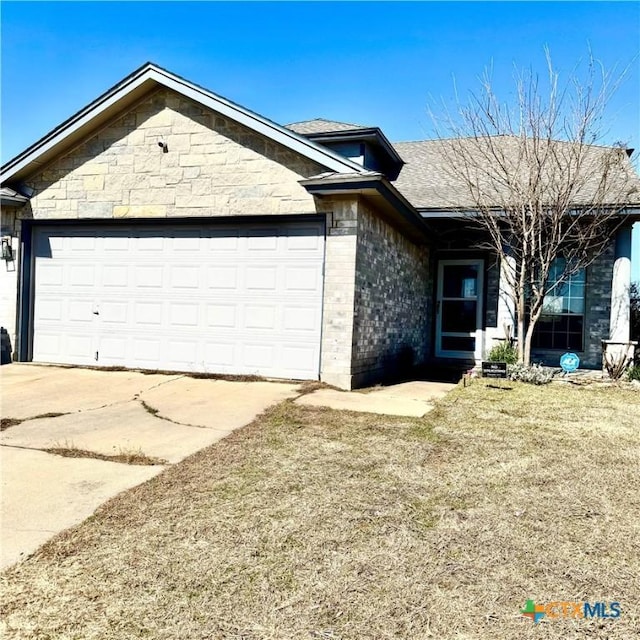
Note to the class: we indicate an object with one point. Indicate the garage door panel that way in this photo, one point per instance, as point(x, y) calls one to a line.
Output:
point(81, 345)
point(221, 316)
point(148, 313)
point(262, 278)
point(260, 317)
point(80, 311)
point(185, 277)
point(146, 351)
point(303, 239)
point(299, 357)
point(114, 350)
point(116, 313)
point(51, 275)
point(220, 355)
point(183, 315)
point(50, 309)
point(48, 345)
point(300, 318)
point(82, 275)
point(228, 299)
point(258, 356)
point(222, 277)
point(115, 275)
point(182, 354)
point(149, 276)
point(304, 278)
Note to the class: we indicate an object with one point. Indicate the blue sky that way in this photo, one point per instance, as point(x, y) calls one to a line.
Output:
point(365, 62)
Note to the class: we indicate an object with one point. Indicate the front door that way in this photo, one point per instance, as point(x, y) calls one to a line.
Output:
point(459, 309)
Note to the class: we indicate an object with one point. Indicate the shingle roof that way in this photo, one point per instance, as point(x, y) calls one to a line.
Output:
point(423, 180)
point(319, 125)
point(427, 181)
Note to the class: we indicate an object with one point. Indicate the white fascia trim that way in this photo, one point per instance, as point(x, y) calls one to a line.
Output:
point(235, 112)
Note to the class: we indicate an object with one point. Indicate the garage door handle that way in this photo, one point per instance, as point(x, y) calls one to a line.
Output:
point(96, 313)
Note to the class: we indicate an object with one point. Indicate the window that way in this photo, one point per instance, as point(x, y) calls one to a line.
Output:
point(561, 325)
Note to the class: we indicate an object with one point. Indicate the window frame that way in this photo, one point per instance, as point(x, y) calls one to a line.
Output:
point(567, 283)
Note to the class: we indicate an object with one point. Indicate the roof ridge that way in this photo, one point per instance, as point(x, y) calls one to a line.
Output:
point(323, 120)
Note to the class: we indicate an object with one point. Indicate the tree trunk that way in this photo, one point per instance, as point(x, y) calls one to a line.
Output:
point(527, 344)
point(533, 321)
point(520, 311)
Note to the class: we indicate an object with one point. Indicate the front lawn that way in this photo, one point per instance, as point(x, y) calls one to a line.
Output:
point(313, 523)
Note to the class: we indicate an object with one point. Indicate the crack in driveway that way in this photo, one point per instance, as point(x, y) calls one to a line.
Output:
point(152, 411)
point(7, 423)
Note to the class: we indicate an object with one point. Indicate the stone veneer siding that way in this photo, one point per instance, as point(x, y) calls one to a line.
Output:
point(391, 303)
point(213, 167)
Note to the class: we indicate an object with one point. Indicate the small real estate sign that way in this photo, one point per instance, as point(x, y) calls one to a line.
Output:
point(494, 369)
point(569, 362)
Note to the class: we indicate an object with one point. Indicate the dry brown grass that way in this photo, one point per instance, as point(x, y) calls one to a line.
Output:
point(312, 523)
point(7, 423)
point(124, 456)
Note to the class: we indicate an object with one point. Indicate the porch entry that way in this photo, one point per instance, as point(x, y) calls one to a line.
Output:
point(459, 309)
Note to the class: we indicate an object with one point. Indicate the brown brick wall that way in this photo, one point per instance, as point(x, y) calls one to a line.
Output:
point(392, 301)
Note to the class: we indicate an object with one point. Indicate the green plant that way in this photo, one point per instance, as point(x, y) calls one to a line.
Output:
point(532, 374)
point(503, 352)
point(634, 373)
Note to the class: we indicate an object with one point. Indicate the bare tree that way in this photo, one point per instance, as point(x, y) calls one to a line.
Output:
point(532, 176)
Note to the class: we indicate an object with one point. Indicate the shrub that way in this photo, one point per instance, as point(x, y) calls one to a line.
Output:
point(634, 373)
point(503, 352)
point(534, 374)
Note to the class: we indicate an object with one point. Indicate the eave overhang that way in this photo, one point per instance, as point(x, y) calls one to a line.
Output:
point(134, 88)
point(375, 188)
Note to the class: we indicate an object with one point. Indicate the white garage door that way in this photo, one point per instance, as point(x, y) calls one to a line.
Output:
point(244, 299)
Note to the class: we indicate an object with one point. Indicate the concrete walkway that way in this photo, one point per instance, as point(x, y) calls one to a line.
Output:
point(166, 417)
point(405, 399)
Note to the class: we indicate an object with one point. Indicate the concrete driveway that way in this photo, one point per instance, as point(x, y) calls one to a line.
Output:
point(109, 413)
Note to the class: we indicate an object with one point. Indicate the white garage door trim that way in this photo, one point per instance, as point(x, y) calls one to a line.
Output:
point(242, 299)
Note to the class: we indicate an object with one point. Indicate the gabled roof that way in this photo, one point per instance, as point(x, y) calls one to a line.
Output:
point(319, 125)
point(133, 88)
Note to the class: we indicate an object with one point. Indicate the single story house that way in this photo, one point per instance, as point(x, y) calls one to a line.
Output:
point(164, 227)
